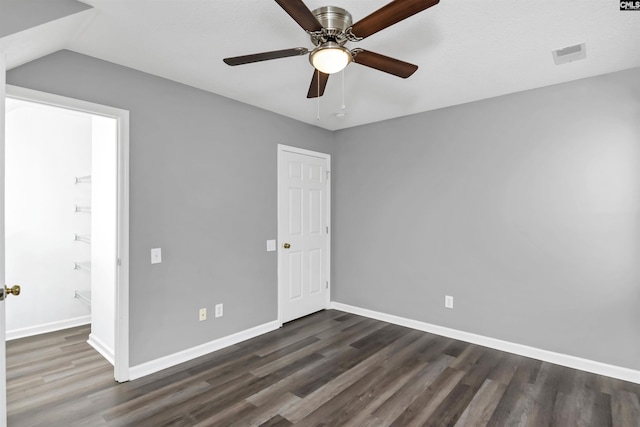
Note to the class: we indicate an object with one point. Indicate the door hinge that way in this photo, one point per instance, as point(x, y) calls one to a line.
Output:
point(327, 229)
point(327, 284)
point(328, 174)
point(118, 262)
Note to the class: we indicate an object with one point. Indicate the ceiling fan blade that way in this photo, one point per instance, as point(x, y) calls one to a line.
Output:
point(265, 56)
point(388, 15)
point(384, 63)
point(301, 14)
point(318, 83)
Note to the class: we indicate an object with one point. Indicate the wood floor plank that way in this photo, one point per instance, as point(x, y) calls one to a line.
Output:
point(504, 371)
point(329, 368)
point(551, 380)
point(262, 414)
point(354, 400)
point(286, 384)
point(227, 415)
point(276, 421)
point(347, 403)
point(334, 387)
point(479, 411)
point(399, 369)
point(625, 408)
point(393, 407)
point(425, 404)
point(320, 346)
point(451, 408)
point(479, 371)
point(468, 357)
point(515, 406)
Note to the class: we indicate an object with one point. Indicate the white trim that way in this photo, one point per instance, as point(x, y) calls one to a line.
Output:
point(327, 157)
point(574, 362)
point(328, 303)
point(3, 365)
point(296, 150)
point(48, 327)
point(101, 348)
point(174, 359)
point(121, 355)
point(121, 367)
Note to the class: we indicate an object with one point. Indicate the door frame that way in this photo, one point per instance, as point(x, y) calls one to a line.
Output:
point(3, 365)
point(327, 157)
point(121, 336)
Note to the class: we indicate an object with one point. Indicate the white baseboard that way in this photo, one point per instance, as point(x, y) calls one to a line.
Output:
point(587, 365)
point(165, 362)
point(47, 327)
point(101, 348)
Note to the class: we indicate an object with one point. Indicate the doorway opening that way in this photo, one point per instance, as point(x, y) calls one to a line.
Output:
point(66, 219)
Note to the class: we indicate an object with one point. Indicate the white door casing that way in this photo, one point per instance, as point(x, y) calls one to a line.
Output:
point(304, 226)
point(3, 376)
point(121, 316)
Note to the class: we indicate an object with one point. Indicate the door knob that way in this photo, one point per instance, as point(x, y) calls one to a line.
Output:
point(287, 246)
point(14, 290)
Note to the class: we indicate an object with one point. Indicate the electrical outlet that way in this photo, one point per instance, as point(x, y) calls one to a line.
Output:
point(219, 311)
point(203, 314)
point(448, 301)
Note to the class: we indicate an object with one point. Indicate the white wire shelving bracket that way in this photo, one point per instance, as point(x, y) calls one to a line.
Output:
point(84, 297)
point(83, 179)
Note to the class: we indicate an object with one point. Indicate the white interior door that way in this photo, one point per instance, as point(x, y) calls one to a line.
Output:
point(303, 232)
point(3, 376)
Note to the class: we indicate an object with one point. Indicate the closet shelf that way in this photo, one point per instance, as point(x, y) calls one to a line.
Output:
point(83, 179)
point(85, 297)
point(82, 238)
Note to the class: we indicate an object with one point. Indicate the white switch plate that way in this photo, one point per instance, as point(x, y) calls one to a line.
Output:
point(219, 312)
point(448, 301)
point(271, 245)
point(156, 256)
point(202, 314)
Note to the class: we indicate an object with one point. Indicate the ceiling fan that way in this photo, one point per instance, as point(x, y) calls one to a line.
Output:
point(330, 28)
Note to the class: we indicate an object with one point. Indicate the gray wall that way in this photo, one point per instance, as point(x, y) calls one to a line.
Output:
point(203, 188)
point(525, 208)
point(18, 15)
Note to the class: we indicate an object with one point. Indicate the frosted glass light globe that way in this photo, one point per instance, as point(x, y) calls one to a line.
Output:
point(330, 58)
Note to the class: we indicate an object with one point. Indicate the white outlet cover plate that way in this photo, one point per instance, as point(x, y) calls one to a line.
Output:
point(219, 311)
point(156, 256)
point(448, 301)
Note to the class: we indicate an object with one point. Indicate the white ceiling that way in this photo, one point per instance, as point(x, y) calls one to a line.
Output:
point(466, 50)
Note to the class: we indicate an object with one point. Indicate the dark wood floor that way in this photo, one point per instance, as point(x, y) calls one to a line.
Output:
point(327, 369)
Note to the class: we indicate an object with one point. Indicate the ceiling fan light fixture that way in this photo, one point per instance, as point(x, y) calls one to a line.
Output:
point(330, 58)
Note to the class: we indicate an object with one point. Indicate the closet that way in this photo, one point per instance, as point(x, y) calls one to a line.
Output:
point(60, 221)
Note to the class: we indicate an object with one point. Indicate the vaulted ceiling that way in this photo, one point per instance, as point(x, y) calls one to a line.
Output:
point(466, 50)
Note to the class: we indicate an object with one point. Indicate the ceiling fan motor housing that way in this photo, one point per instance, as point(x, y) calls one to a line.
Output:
point(335, 21)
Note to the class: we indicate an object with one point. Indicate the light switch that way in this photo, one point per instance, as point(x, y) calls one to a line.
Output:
point(156, 256)
point(271, 245)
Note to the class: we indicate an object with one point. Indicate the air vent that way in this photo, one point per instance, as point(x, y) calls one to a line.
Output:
point(569, 54)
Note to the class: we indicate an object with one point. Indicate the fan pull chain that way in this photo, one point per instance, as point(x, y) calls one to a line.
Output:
point(318, 94)
point(343, 106)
